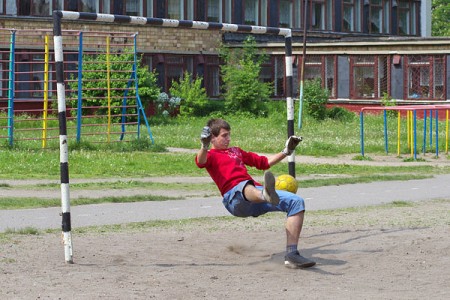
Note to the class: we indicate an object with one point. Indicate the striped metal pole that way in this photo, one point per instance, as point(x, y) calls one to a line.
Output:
point(63, 147)
point(58, 16)
point(289, 99)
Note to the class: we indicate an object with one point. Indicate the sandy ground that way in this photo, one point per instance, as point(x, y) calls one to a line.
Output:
point(397, 252)
point(387, 252)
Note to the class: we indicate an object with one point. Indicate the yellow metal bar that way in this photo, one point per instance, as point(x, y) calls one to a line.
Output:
point(45, 113)
point(398, 132)
point(108, 78)
point(407, 130)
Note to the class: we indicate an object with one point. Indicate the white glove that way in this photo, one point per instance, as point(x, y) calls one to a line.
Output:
point(205, 137)
point(291, 144)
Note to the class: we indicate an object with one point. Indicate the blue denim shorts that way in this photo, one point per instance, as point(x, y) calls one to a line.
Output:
point(235, 202)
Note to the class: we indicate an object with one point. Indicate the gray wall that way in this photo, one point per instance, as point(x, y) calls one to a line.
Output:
point(343, 84)
point(397, 80)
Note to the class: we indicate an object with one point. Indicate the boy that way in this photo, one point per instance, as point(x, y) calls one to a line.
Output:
point(243, 196)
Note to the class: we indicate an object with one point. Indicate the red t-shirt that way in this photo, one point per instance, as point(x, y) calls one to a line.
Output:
point(228, 167)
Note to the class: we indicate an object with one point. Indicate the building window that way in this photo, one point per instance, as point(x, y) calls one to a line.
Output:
point(41, 8)
point(29, 81)
point(149, 8)
point(251, 12)
point(213, 11)
point(174, 68)
point(272, 71)
point(228, 11)
point(105, 7)
point(351, 16)
point(88, 6)
point(286, 14)
point(406, 18)
point(4, 75)
point(379, 16)
point(425, 77)
point(317, 13)
point(211, 78)
point(369, 76)
point(278, 79)
point(133, 7)
point(321, 67)
point(175, 9)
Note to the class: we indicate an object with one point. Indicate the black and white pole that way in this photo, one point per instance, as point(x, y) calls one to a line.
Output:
point(63, 147)
point(58, 16)
point(289, 100)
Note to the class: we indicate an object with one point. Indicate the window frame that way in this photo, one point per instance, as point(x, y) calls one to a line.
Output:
point(377, 90)
point(384, 13)
point(312, 8)
point(321, 63)
point(411, 12)
point(290, 14)
point(181, 10)
point(425, 64)
point(356, 8)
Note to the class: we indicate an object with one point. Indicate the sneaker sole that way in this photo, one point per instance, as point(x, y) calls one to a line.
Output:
point(289, 265)
point(269, 186)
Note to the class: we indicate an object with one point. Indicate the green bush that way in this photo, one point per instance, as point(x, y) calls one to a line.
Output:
point(193, 96)
point(315, 99)
point(244, 92)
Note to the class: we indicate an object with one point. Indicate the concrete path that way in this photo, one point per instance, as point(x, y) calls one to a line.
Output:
point(329, 197)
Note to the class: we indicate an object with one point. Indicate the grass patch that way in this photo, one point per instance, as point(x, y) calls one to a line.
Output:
point(357, 179)
point(20, 203)
point(362, 158)
point(132, 183)
point(23, 231)
point(402, 204)
point(411, 159)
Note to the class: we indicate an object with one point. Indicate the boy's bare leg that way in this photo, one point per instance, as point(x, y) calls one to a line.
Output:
point(268, 194)
point(294, 226)
point(252, 194)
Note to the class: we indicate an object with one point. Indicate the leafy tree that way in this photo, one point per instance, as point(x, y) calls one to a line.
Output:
point(193, 96)
point(440, 16)
point(95, 83)
point(244, 92)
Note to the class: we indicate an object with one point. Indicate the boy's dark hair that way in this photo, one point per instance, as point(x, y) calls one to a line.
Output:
point(216, 124)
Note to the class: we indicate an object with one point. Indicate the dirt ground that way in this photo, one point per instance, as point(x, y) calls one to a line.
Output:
point(388, 252)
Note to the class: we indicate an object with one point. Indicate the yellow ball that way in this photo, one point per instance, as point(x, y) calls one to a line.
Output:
point(287, 183)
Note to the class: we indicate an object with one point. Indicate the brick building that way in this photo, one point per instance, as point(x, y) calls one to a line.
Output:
point(361, 49)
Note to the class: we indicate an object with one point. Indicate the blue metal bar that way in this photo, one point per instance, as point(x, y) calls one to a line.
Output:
point(415, 135)
point(431, 128)
point(124, 103)
point(80, 87)
point(361, 118)
point(11, 88)
point(138, 99)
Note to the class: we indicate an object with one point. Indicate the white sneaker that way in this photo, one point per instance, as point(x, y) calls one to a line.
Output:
point(269, 193)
